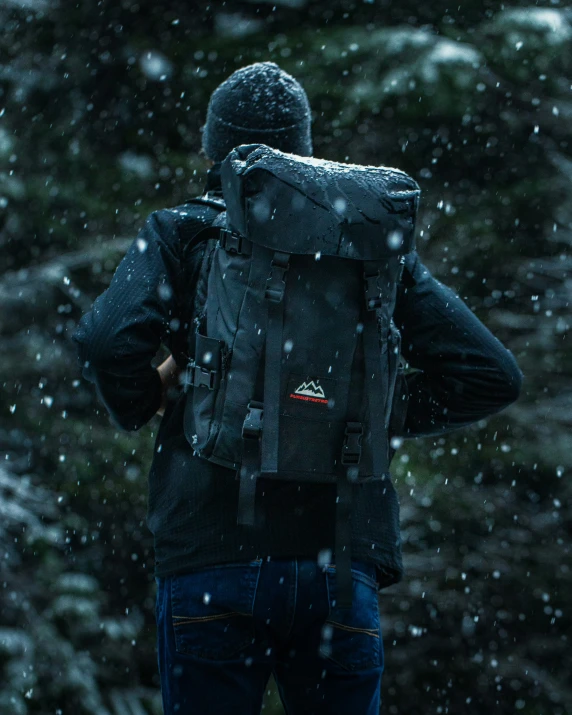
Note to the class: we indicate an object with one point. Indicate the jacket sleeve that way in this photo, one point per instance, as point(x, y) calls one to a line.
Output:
point(120, 336)
point(461, 372)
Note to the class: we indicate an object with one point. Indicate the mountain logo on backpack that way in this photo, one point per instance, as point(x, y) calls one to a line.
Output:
point(310, 392)
point(310, 389)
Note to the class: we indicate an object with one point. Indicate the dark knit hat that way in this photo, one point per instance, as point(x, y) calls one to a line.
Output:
point(258, 104)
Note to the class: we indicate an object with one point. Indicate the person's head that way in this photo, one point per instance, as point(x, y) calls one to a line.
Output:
point(258, 104)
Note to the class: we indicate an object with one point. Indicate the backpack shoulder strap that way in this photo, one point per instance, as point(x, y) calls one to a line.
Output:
point(194, 221)
point(194, 217)
point(209, 199)
point(216, 228)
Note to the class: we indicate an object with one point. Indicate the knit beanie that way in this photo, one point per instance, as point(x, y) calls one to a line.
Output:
point(258, 104)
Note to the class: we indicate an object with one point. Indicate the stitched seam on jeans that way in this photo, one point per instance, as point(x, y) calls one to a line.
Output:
point(295, 597)
point(367, 631)
point(202, 619)
point(331, 568)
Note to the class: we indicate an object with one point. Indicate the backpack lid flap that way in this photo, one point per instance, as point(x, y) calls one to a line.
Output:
point(304, 205)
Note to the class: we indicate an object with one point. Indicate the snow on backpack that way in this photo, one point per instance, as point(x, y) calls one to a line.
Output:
point(295, 355)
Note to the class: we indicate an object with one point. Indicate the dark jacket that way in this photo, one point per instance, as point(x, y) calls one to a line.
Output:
point(461, 374)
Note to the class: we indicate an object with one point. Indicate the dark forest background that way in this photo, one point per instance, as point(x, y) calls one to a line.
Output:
point(101, 105)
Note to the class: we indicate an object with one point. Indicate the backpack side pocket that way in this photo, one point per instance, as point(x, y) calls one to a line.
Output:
point(208, 380)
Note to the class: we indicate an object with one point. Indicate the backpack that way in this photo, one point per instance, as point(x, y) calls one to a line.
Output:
point(294, 359)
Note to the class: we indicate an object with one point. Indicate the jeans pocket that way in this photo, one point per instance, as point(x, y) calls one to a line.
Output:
point(212, 610)
point(352, 637)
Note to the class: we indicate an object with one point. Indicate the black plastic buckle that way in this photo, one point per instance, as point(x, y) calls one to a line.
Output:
point(206, 378)
point(234, 242)
point(198, 376)
point(276, 283)
point(351, 451)
point(372, 291)
point(252, 427)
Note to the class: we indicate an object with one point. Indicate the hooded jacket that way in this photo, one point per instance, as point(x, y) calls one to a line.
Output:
point(460, 373)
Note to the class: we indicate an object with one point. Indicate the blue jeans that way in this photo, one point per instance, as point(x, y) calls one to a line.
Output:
point(222, 632)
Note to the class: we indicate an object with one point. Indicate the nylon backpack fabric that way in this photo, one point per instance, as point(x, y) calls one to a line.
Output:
point(295, 354)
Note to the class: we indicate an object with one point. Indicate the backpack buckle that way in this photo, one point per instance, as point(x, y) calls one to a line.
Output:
point(276, 283)
point(234, 242)
point(206, 378)
point(351, 451)
point(198, 376)
point(372, 291)
point(252, 427)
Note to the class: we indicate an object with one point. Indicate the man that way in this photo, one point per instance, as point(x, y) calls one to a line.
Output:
point(235, 604)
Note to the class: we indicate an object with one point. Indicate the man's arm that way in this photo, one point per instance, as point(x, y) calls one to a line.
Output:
point(462, 372)
point(169, 372)
point(120, 336)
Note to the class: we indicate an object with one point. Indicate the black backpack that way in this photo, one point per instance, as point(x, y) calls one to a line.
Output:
point(295, 354)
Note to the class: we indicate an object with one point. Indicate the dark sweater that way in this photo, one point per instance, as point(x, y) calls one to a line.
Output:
point(462, 374)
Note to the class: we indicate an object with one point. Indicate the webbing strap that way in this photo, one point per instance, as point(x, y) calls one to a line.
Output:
point(374, 375)
point(275, 288)
point(343, 542)
point(204, 234)
point(348, 472)
point(250, 467)
point(247, 487)
point(394, 348)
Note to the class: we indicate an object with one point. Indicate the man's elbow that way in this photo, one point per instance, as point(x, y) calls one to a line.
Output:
point(490, 389)
point(130, 402)
point(126, 422)
point(127, 415)
point(511, 385)
point(516, 386)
